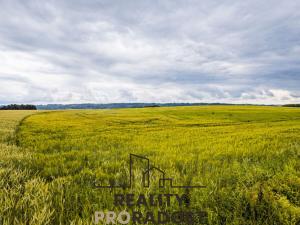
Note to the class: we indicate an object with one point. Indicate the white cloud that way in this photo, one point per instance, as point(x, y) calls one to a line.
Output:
point(159, 51)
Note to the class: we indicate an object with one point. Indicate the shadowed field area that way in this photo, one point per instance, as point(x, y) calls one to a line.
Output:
point(247, 156)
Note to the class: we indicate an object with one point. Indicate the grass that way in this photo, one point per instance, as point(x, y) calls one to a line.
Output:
point(247, 156)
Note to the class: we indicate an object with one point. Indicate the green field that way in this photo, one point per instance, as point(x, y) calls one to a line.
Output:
point(248, 157)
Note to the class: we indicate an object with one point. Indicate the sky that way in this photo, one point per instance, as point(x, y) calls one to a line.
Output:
point(110, 51)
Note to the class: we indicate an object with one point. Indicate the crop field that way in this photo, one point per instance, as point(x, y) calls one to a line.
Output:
point(248, 157)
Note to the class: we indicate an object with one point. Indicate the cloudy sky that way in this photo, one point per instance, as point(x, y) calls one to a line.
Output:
point(77, 51)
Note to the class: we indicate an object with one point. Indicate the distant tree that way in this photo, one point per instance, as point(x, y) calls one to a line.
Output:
point(18, 107)
point(146, 106)
point(292, 105)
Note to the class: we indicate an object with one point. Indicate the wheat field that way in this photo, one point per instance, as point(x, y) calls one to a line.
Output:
point(248, 157)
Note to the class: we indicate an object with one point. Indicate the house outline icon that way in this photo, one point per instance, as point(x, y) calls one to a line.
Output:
point(146, 176)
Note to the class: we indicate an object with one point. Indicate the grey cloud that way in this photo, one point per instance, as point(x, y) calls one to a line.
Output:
point(119, 51)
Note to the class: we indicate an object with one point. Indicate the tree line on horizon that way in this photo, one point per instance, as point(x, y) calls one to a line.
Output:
point(108, 106)
point(18, 107)
point(292, 105)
